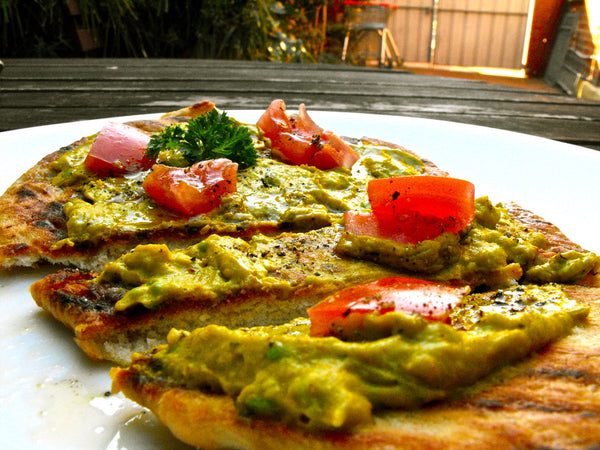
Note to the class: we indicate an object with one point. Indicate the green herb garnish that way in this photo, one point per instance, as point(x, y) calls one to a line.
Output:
point(209, 136)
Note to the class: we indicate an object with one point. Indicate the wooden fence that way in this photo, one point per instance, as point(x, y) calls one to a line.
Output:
point(487, 33)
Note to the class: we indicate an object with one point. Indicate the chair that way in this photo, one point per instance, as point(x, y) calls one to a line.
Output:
point(367, 18)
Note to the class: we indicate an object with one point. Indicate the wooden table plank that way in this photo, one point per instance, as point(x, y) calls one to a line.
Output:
point(19, 91)
point(573, 132)
point(260, 98)
point(73, 70)
point(312, 76)
point(39, 92)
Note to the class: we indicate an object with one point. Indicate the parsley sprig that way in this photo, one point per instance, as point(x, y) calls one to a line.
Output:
point(209, 136)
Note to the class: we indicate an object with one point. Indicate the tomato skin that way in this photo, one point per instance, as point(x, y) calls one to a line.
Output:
point(433, 301)
point(118, 149)
point(422, 207)
point(192, 190)
point(367, 224)
point(297, 139)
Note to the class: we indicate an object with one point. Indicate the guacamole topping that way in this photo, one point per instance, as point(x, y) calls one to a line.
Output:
point(495, 251)
point(279, 372)
point(221, 266)
point(270, 193)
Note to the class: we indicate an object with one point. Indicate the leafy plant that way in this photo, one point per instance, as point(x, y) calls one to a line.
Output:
point(36, 28)
point(224, 29)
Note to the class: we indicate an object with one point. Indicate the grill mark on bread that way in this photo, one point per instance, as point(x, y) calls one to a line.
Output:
point(499, 405)
point(25, 192)
point(96, 300)
point(54, 212)
point(563, 373)
point(73, 288)
point(84, 303)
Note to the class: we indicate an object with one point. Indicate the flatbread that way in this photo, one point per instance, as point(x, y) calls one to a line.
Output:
point(33, 221)
point(548, 401)
point(304, 268)
point(36, 231)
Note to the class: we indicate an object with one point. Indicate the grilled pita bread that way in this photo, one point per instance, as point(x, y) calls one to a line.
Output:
point(87, 302)
point(548, 401)
point(35, 228)
point(88, 308)
point(33, 221)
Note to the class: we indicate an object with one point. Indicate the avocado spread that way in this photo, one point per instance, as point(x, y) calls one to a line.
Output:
point(495, 251)
point(270, 193)
point(326, 383)
point(223, 266)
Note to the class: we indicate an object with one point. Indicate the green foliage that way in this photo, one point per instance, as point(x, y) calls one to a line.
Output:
point(301, 30)
point(36, 28)
point(221, 29)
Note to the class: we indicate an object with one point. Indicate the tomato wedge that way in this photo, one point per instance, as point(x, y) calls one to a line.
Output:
point(192, 190)
point(297, 139)
point(367, 224)
point(414, 208)
point(433, 301)
point(118, 149)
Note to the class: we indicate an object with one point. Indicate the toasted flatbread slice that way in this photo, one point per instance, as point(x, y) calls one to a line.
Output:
point(138, 298)
point(297, 271)
point(105, 221)
point(548, 401)
point(32, 216)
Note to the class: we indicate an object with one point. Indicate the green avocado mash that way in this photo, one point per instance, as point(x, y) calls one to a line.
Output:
point(222, 266)
point(270, 194)
point(325, 383)
point(495, 251)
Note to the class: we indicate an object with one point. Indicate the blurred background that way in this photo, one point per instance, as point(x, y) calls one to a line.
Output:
point(556, 40)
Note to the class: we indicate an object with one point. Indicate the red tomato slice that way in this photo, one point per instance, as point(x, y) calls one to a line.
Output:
point(192, 190)
point(422, 207)
point(367, 224)
point(297, 139)
point(431, 300)
point(118, 149)
point(408, 231)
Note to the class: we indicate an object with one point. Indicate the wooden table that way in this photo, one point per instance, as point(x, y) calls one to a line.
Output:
point(47, 91)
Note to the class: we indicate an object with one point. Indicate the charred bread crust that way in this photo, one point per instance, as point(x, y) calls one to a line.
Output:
point(113, 336)
point(548, 401)
point(105, 334)
point(32, 213)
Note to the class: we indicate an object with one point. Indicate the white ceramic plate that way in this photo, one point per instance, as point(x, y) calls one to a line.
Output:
point(52, 396)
